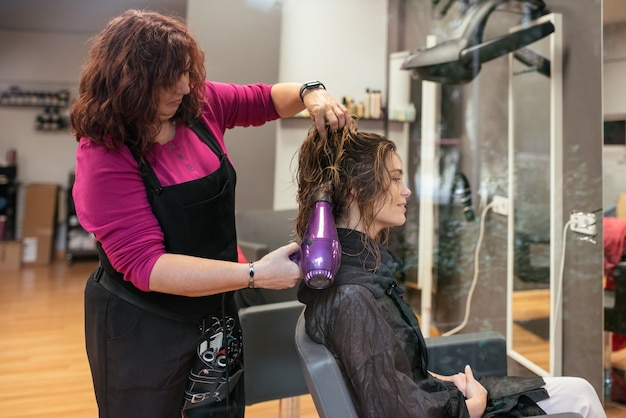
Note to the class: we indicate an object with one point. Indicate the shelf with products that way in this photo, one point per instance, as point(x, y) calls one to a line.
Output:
point(50, 118)
point(15, 96)
point(406, 113)
point(304, 115)
point(369, 107)
point(8, 200)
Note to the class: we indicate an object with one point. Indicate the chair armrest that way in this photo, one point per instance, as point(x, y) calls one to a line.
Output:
point(485, 352)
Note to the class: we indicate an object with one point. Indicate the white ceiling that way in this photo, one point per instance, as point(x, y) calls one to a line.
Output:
point(90, 16)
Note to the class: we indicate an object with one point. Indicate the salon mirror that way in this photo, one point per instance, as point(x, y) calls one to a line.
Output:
point(534, 235)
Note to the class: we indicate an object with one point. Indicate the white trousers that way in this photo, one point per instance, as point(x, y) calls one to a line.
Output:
point(571, 394)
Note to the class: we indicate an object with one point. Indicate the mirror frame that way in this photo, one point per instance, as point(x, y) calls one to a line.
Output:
point(556, 205)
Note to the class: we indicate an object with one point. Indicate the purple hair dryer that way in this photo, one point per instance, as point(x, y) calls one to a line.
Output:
point(320, 252)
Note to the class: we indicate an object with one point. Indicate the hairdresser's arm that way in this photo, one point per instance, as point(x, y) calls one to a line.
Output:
point(111, 202)
point(193, 276)
point(323, 108)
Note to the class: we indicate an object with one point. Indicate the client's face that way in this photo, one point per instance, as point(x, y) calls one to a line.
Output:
point(392, 207)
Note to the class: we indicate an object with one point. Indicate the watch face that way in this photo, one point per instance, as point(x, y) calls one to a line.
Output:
point(312, 85)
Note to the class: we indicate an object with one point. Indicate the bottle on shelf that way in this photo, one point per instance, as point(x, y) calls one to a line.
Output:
point(367, 104)
point(411, 112)
point(376, 105)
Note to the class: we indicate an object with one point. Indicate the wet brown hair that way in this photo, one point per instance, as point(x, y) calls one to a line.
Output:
point(138, 54)
point(347, 164)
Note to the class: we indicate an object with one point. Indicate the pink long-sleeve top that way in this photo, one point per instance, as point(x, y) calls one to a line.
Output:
point(109, 192)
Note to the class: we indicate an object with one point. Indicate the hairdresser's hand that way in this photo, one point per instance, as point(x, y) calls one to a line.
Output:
point(276, 271)
point(325, 110)
point(475, 394)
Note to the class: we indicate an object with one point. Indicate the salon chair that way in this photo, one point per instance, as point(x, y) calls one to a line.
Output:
point(272, 365)
point(260, 231)
point(485, 351)
point(615, 323)
point(615, 302)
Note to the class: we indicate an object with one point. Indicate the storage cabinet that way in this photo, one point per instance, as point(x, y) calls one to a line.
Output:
point(79, 243)
point(8, 200)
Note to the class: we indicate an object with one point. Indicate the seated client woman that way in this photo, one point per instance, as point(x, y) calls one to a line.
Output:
point(362, 317)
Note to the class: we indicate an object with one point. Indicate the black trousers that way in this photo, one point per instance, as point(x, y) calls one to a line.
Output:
point(140, 362)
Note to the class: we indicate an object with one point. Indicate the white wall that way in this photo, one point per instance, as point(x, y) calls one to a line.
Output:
point(39, 61)
point(240, 39)
point(341, 43)
point(614, 70)
point(44, 61)
point(614, 156)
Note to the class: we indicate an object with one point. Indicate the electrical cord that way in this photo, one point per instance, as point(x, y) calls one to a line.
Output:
point(559, 289)
point(468, 303)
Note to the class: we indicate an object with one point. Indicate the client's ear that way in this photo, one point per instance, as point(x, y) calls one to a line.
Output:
point(354, 193)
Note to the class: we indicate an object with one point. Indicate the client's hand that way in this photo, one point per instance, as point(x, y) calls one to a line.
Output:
point(475, 394)
point(458, 379)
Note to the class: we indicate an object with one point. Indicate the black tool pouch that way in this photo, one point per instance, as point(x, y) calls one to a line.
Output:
point(218, 364)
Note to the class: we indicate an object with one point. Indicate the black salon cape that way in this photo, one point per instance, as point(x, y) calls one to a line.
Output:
point(375, 335)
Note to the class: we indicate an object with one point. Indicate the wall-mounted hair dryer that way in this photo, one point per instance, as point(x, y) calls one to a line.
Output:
point(458, 60)
point(320, 251)
point(462, 195)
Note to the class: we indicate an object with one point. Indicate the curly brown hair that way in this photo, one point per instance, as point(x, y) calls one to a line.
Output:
point(138, 54)
point(347, 164)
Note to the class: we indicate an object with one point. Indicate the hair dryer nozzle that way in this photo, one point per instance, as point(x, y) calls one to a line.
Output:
point(320, 261)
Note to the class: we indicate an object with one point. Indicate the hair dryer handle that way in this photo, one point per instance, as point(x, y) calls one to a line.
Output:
point(296, 257)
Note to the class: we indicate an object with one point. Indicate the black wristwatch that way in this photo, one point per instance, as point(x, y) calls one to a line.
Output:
point(311, 85)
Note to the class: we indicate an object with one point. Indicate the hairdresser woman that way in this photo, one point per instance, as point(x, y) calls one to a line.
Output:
point(155, 184)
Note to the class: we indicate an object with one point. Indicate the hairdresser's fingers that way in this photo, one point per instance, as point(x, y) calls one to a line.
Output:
point(341, 116)
point(276, 271)
point(320, 123)
point(290, 248)
point(325, 111)
point(335, 118)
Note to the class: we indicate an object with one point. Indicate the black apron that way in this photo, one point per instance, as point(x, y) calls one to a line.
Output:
point(197, 218)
